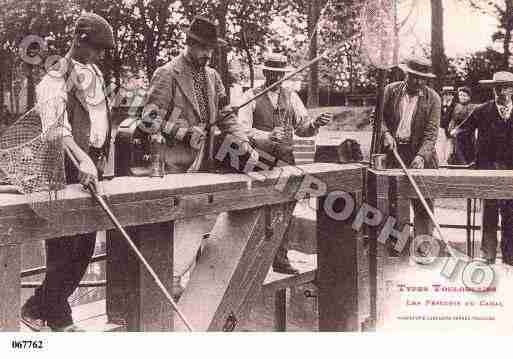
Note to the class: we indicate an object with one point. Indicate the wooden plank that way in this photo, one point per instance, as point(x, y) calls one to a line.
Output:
point(305, 263)
point(398, 208)
point(280, 310)
point(121, 273)
point(156, 244)
point(138, 201)
point(10, 289)
point(339, 247)
point(126, 189)
point(132, 295)
point(375, 185)
point(455, 183)
point(233, 266)
point(92, 318)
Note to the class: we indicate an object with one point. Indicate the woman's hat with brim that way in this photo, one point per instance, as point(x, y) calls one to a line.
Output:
point(419, 67)
point(204, 31)
point(499, 78)
point(276, 62)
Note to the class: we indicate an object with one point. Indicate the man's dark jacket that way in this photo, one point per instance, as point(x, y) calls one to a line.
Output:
point(425, 123)
point(495, 135)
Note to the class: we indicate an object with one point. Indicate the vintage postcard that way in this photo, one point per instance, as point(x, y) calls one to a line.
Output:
point(255, 166)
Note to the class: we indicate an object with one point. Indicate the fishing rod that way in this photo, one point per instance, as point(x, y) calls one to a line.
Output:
point(139, 255)
point(287, 77)
point(424, 202)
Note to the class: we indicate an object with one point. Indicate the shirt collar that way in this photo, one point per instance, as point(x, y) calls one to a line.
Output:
point(419, 93)
point(508, 107)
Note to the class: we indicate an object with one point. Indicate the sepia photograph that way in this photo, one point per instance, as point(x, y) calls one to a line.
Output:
point(254, 166)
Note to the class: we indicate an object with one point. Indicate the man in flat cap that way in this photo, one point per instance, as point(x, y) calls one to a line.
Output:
point(74, 87)
point(411, 119)
point(185, 103)
point(493, 121)
point(271, 122)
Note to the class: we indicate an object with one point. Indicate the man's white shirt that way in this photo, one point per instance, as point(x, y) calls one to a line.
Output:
point(52, 97)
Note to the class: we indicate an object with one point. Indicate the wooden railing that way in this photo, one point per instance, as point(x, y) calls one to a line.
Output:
point(255, 212)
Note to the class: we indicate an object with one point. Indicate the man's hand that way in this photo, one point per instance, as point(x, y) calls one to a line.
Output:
point(277, 134)
point(389, 141)
point(323, 119)
point(417, 163)
point(88, 174)
point(197, 138)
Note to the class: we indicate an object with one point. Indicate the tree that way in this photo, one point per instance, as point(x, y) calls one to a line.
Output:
point(437, 43)
point(49, 20)
point(157, 25)
point(251, 20)
point(503, 11)
point(313, 83)
point(503, 34)
point(478, 66)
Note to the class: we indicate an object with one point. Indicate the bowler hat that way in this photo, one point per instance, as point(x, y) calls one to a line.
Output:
point(95, 30)
point(204, 31)
point(418, 66)
point(499, 78)
point(276, 62)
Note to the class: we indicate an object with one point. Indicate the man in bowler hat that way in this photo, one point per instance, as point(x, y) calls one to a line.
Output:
point(187, 104)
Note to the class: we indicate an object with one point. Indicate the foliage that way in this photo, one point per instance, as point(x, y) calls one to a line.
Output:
point(149, 33)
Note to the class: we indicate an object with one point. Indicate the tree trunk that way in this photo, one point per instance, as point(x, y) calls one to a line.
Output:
point(437, 42)
point(222, 53)
point(313, 80)
point(251, 66)
point(508, 21)
point(151, 55)
point(247, 50)
point(31, 88)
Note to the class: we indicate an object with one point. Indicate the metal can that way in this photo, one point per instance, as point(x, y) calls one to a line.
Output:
point(378, 161)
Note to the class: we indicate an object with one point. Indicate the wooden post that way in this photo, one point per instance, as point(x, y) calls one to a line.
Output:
point(383, 194)
point(339, 250)
point(10, 287)
point(132, 294)
point(280, 310)
point(376, 253)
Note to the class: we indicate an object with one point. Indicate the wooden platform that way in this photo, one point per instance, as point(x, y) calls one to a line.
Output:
point(92, 317)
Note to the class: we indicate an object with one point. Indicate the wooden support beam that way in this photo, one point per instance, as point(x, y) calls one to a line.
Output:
point(385, 258)
point(340, 249)
point(10, 287)
point(133, 298)
point(376, 252)
point(233, 266)
point(280, 310)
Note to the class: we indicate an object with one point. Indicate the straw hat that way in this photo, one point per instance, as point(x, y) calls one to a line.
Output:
point(276, 62)
point(499, 78)
point(418, 66)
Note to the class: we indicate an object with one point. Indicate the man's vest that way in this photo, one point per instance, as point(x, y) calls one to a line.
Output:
point(266, 117)
point(80, 122)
